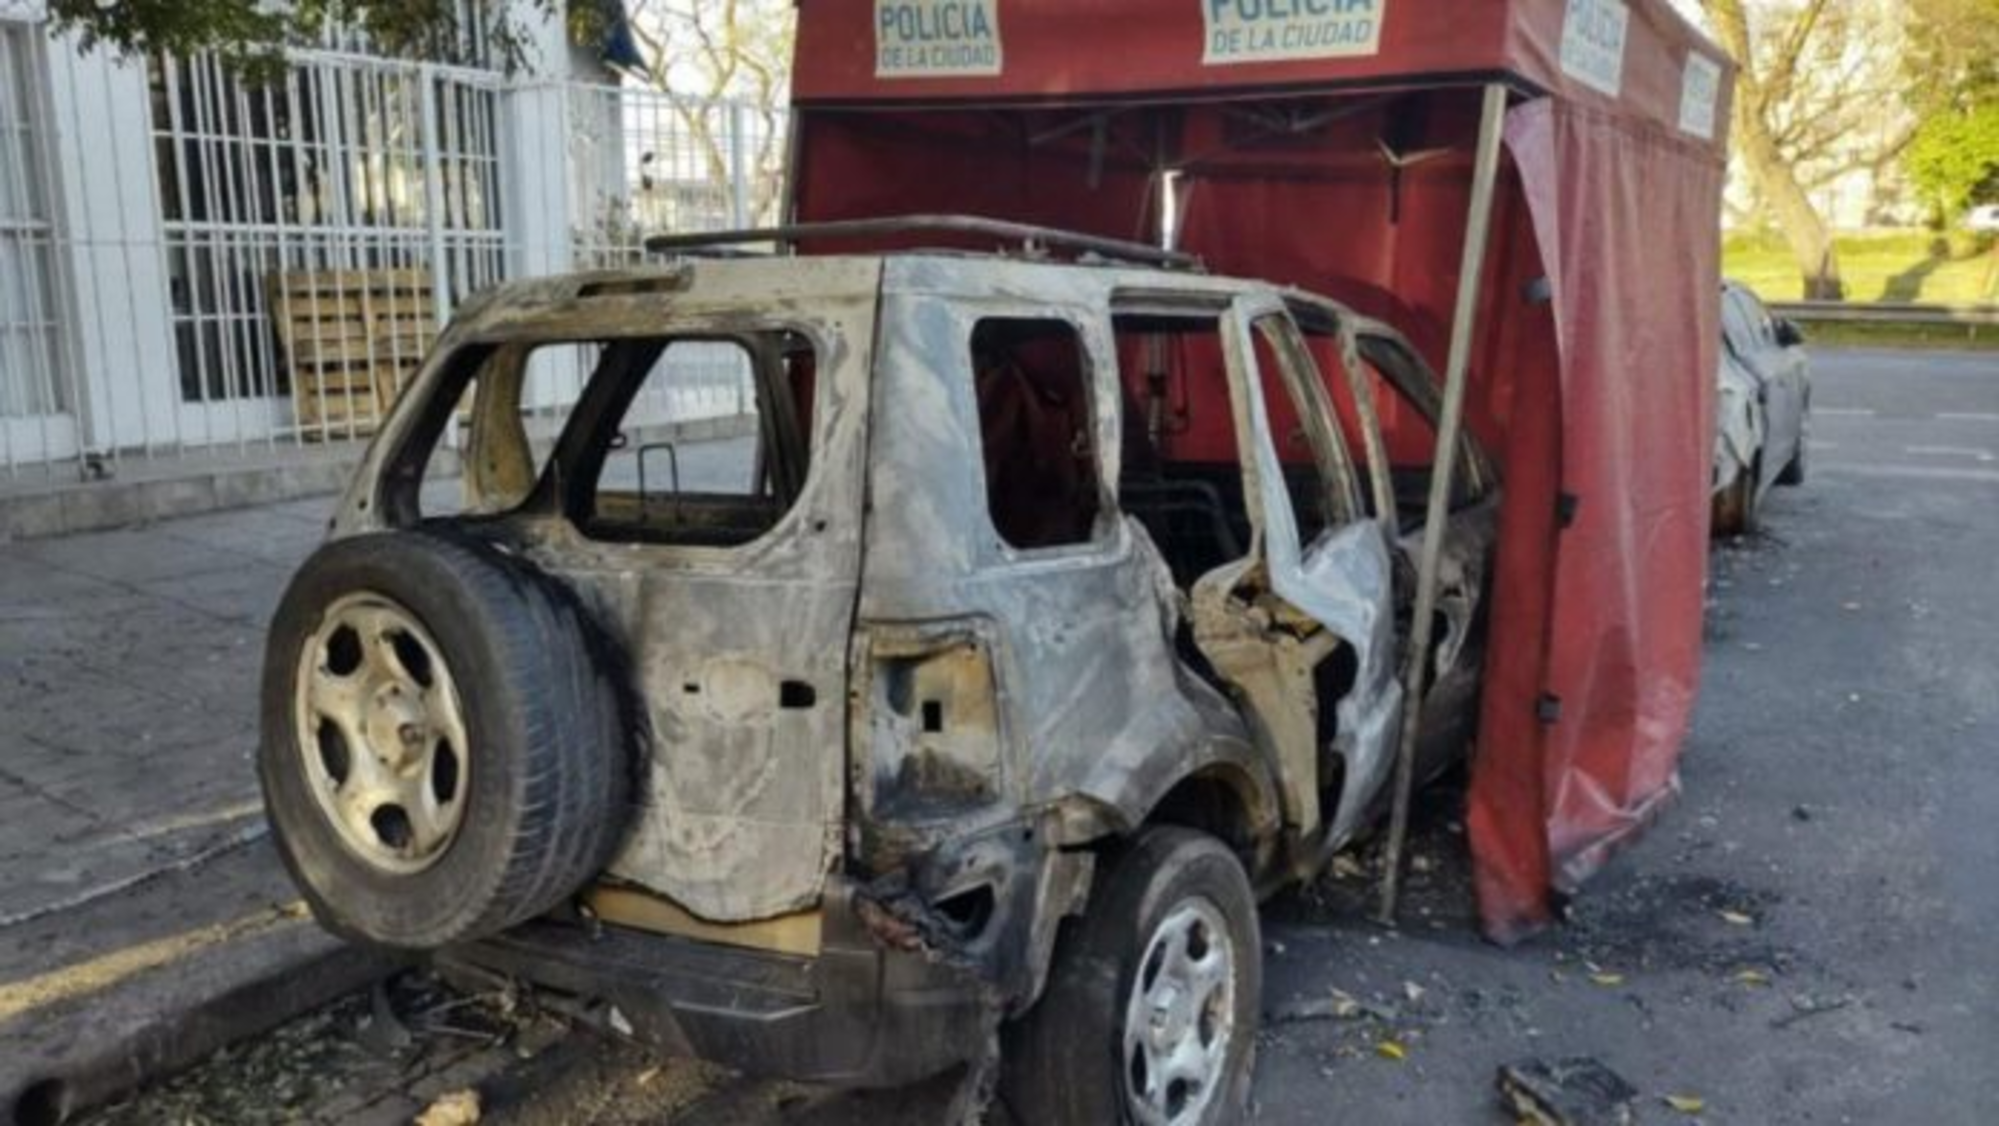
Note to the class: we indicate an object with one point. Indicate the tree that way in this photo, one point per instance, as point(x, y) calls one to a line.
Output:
point(1955, 159)
point(1953, 56)
point(1953, 72)
point(253, 33)
point(1819, 93)
point(723, 51)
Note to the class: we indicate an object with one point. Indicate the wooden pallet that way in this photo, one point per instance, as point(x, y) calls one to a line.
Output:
point(352, 339)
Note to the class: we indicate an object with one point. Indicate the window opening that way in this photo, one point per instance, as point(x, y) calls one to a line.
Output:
point(1182, 477)
point(1036, 429)
point(655, 482)
point(1317, 474)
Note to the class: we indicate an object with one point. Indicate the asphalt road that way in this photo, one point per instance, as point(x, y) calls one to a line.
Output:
point(1811, 935)
point(1841, 792)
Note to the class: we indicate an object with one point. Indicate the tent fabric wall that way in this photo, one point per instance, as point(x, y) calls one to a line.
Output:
point(1637, 326)
point(1595, 347)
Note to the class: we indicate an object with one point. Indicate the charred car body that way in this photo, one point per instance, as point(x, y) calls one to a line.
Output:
point(1763, 409)
point(1049, 617)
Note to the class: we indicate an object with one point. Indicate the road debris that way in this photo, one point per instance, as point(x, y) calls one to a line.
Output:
point(1571, 1092)
point(458, 1108)
point(1806, 1005)
point(1339, 1005)
point(1687, 1104)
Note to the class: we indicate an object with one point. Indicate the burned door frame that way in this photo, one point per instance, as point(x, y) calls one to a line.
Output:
point(1270, 621)
point(744, 807)
point(1471, 527)
point(1096, 720)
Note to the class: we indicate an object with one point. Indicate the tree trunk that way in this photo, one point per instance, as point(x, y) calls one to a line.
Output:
point(1799, 222)
point(1770, 172)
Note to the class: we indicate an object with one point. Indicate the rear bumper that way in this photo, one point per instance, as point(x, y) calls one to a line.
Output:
point(854, 1015)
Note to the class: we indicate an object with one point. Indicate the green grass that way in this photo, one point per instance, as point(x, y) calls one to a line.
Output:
point(1900, 266)
point(1826, 334)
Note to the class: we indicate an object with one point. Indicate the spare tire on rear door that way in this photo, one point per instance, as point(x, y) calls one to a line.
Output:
point(444, 752)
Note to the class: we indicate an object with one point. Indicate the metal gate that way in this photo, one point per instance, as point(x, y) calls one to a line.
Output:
point(351, 167)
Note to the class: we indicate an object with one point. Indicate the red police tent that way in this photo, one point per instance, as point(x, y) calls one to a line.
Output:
point(1330, 144)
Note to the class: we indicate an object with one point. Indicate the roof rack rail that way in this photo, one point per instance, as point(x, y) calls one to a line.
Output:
point(1032, 239)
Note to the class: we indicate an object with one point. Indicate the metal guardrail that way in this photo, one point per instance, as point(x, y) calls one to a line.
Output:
point(1884, 312)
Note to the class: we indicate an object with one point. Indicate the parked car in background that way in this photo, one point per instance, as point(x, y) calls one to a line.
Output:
point(1984, 217)
point(1763, 409)
point(1047, 617)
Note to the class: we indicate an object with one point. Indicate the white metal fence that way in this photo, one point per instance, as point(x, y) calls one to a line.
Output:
point(161, 317)
point(349, 164)
point(644, 161)
point(641, 162)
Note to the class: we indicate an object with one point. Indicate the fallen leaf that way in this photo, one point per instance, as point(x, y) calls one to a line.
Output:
point(1687, 1104)
point(1607, 980)
point(1391, 1050)
point(1413, 991)
point(1753, 977)
point(1737, 918)
point(458, 1108)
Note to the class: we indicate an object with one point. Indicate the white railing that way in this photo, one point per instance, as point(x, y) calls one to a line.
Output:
point(645, 161)
point(158, 220)
point(347, 164)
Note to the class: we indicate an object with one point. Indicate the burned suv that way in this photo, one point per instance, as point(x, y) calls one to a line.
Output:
point(1016, 628)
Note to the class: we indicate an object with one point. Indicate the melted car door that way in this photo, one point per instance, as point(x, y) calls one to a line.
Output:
point(1457, 635)
point(1302, 625)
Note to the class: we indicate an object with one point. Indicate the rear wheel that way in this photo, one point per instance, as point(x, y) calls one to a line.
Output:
point(1149, 1018)
point(1735, 506)
point(443, 752)
point(1794, 473)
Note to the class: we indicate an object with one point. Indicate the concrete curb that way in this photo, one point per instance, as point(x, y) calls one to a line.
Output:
point(99, 1067)
point(90, 506)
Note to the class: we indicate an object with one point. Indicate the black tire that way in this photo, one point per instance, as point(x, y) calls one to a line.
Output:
point(1063, 1059)
point(546, 736)
point(1794, 473)
point(1734, 508)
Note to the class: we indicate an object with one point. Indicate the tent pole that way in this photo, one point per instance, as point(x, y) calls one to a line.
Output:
point(1415, 673)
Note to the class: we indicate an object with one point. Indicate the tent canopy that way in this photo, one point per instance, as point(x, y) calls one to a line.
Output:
point(1329, 144)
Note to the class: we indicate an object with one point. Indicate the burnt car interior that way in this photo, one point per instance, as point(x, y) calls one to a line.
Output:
point(1405, 403)
point(1035, 428)
point(1182, 476)
point(651, 486)
point(1184, 482)
point(623, 472)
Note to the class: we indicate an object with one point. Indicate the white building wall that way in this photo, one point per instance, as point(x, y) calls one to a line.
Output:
point(167, 342)
point(124, 341)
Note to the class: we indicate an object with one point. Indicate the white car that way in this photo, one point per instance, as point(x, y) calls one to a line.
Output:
point(1984, 217)
point(1763, 409)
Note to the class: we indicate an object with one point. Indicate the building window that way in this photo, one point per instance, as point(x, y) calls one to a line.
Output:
point(337, 166)
point(31, 375)
point(1036, 427)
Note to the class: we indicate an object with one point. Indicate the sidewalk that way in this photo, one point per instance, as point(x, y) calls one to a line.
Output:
point(142, 909)
point(129, 665)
